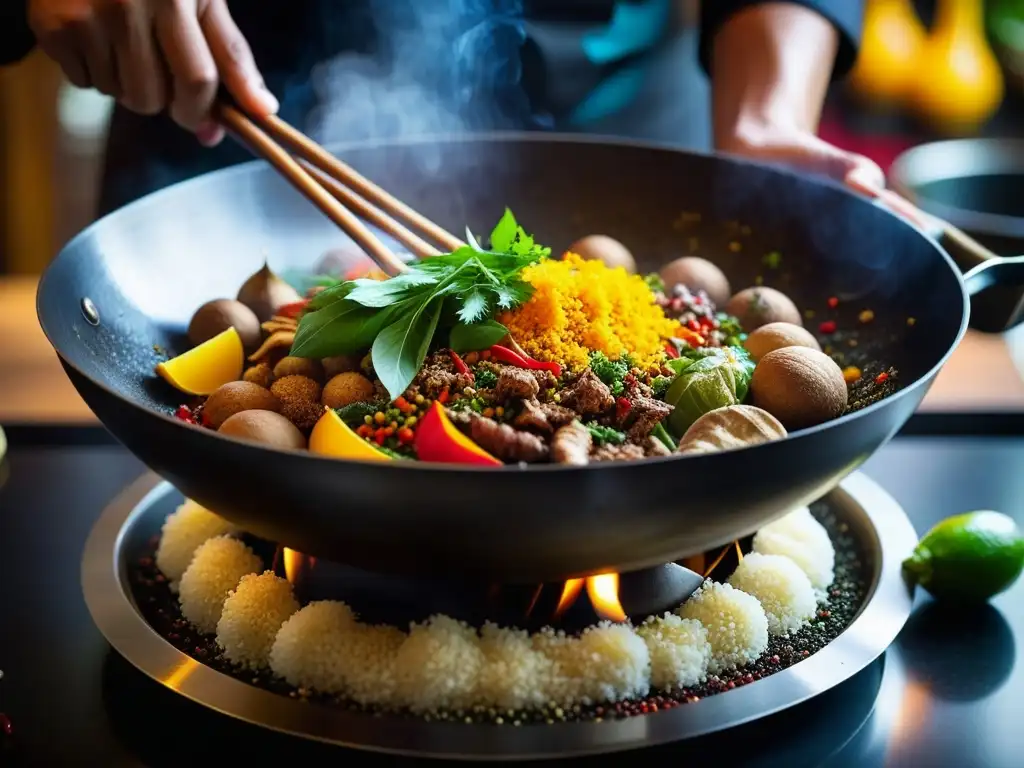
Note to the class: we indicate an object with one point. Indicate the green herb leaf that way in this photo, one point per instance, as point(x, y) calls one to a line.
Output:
point(611, 372)
point(602, 434)
point(399, 350)
point(503, 236)
point(655, 283)
point(474, 305)
point(328, 296)
point(485, 378)
point(341, 328)
point(384, 293)
point(471, 338)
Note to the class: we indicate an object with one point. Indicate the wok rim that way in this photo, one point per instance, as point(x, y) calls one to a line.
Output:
point(503, 138)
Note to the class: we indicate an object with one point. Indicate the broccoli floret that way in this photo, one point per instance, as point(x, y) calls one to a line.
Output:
point(355, 414)
point(611, 372)
point(485, 378)
point(660, 385)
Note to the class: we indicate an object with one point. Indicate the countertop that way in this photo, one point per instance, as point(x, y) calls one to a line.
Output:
point(981, 377)
point(948, 693)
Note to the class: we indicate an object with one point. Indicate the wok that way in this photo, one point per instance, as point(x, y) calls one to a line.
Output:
point(147, 267)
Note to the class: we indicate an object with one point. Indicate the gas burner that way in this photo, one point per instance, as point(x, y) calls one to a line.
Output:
point(602, 650)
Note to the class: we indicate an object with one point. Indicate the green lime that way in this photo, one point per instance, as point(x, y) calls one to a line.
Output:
point(969, 557)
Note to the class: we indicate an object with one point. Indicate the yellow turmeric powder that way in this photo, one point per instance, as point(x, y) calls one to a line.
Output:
point(581, 306)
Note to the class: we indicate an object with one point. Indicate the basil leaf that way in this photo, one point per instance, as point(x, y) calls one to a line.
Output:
point(474, 305)
point(328, 296)
point(342, 328)
point(471, 338)
point(399, 350)
point(504, 233)
point(383, 293)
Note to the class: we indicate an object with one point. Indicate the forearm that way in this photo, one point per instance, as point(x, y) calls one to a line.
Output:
point(16, 39)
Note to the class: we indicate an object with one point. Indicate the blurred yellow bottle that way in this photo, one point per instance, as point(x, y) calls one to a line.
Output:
point(887, 63)
point(959, 84)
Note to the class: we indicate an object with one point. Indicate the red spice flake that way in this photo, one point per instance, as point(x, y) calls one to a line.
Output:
point(693, 325)
point(833, 302)
point(443, 397)
point(828, 326)
point(671, 351)
point(184, 413)
point(881, 378)
point(622, 407)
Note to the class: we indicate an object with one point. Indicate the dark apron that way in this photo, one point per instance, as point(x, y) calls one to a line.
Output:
point(379, 68)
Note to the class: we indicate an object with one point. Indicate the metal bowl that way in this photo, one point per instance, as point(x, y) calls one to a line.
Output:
point(877, 523)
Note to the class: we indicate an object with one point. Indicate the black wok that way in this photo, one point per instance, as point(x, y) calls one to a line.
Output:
point(147, 267)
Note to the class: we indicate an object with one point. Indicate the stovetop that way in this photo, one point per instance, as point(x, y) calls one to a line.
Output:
point(946, 694)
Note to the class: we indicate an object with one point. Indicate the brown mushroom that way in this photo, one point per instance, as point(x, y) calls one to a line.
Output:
point(220, 314)
point(265, 293)
point(698, 275)
point(734, 426)
point(758, 306)
point(799, 386)
point(265, 427)
point(606, 249)
point(235, 397)
point(347, 388)
point(774, 336)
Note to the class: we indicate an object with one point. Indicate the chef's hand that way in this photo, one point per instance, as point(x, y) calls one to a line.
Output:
point(771, 66)
point(153, 55)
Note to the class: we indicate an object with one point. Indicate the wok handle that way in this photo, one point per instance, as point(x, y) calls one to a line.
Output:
point(982, 267)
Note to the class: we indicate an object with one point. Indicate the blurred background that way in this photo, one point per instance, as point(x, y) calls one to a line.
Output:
point(929, 70)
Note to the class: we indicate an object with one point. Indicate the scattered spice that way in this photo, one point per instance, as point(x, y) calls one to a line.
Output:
point(833, 302)
point(772, 260)
point(828, 326)
point(851, 373)
point(809, 314)
point(911, 320)
point(735, 247)
point(866, 316)
point(882, 377)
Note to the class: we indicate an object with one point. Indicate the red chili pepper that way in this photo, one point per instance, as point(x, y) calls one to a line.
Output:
point(506, 355)
point(671, 351)
point(691, 338)
point(883, 376)
point(184, 413)
point(459, 363)
point(622, 408)
point(828, 326)
point(833, 302)
point(693, 325)
point(443, 397)
point(293, 309)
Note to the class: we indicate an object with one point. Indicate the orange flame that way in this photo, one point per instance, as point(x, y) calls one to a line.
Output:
point(295, 564)
point(570, 592)
point(603, 591)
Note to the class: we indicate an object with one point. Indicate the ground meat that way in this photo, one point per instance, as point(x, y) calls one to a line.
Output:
point(545, 379)
point(654, 447)
point(515, 383)
point(588, 396)
point(571, 445)
point(437, 375)
point(647, 414)
point(624, 452)
point(505, 443)
point(542, 417)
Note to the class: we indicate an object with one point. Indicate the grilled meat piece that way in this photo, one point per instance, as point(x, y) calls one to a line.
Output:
point(624, 452)
point(516, 383)
point(504, 442)
point(647, 414)
point(588, 396)
point(571, 445)
point(542, 417)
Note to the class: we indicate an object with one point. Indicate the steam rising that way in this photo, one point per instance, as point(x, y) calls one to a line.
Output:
point(438, 67)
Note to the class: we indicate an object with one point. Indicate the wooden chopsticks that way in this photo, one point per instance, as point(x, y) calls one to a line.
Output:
point(339, 191)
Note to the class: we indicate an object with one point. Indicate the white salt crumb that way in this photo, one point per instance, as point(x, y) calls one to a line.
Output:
point(368, 663)
point(216, 568)
point(308, 646)
point(183, 531)
point(438, 665)
point(783, 590)
point(679, 650)
point(514, 674)
point(252, 615)
point(736, 624)
point(803, 540)
point(614, 663)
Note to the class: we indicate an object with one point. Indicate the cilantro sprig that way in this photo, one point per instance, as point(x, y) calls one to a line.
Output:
point(399, 318)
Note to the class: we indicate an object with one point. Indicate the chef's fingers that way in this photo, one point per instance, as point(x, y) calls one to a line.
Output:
point(191, 65)
point(98, 51)
point(141, 71)
point(235, 62)
point(57, 37)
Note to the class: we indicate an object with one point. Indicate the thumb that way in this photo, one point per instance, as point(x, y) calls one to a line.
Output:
point(235, 62)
